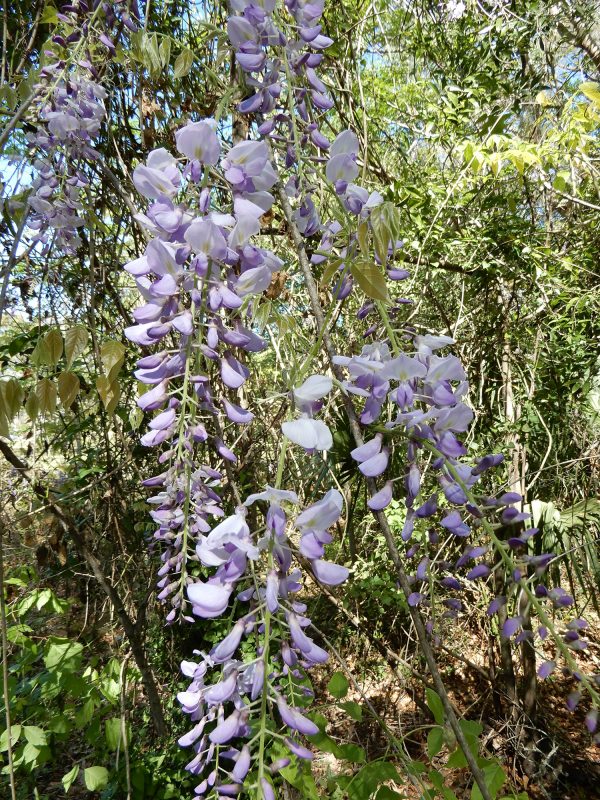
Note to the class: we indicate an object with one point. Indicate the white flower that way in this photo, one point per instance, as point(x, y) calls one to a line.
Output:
point(311, 434)
point(313, 389)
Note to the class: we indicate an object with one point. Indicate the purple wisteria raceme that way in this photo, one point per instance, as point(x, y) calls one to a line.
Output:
point(192, 279)
point(67, 114)
point(225, 688)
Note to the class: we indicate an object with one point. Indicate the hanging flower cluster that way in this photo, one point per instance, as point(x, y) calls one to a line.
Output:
point(273, 678)
point(73, 117)
point(68, 113)
point(196, 272)
point(279, 57)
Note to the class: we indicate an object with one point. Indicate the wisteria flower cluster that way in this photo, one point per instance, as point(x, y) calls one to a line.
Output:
point(68, 112)
point(274, 677)
point(196, 271)
point(198, 268)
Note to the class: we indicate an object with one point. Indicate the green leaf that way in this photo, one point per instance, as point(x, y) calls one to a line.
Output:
point(85, 713)
point(353, 710)
point(436, 778)
point(165, 51)
point(325, 744)
point(183, 63)
point(435, 705)
point(44, 596)
point(591, 91)
point(11, 397)
point(151, 53)
point(457, 759)
point(4, 427)
point(435, 741)
point(63, 654)
point(30, 755)
point(17, 634)
point(338, 685)
point(369, 778)
point(109, 392)
point(68, 388)
point(385, 793)
point(494, 779)
point(112, 355)
point(49, 16)
point(34, 735)
point(472, 731)
point(15, 733)
point(112, 731)
point(298, 774)
point(32, 406)
point(110, 688)
point(68, 779)
point(53, 346)
point(76, 339)
point(46, 394)
point(59, 725)
point(352, 752)
point(333, 265)
point(95, 778)
point(370, 279)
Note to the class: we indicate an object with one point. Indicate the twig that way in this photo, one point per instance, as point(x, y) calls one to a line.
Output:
point(11, 769)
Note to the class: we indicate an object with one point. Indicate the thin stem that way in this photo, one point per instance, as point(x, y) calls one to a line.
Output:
point(11, 769)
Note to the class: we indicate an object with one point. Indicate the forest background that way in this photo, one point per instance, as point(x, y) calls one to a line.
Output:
point(478, 123)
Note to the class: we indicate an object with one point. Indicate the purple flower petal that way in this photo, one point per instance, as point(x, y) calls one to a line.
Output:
point(545, 669)
point(222, 691)
point(298, 749)
point(373, 467)
point(226, 730)
point(208, 599)
point(511, 626)
point(329, 573)
point(266, 789)
point(382, 498)
point(480, 571)
point(295, 720)
point(233, 374)
point(225, 649)
point(242, 764)
point(368, 449)
point(591, 720)
point(237, 414)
